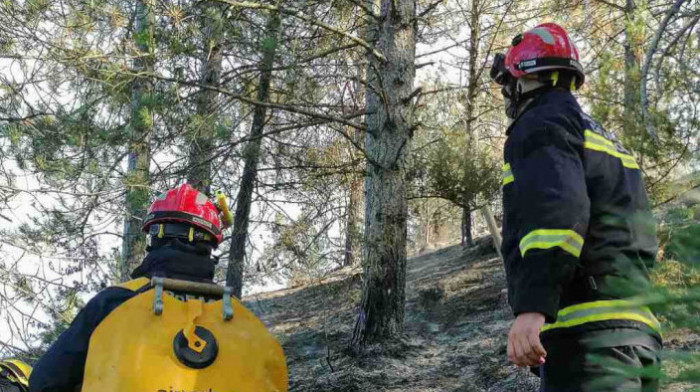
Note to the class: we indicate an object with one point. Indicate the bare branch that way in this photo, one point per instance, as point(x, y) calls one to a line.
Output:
point(242, 98)
point(300, 15)
point(430, 8)
point(612, 5)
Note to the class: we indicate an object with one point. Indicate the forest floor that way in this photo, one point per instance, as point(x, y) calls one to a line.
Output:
point(457, 320)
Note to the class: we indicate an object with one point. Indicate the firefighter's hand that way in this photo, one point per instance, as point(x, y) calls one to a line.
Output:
point(524, 347)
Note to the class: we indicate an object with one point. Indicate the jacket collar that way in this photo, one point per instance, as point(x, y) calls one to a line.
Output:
point(171, 262)
point(555, 96)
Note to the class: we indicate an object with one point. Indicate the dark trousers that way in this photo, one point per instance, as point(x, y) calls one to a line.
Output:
point(578, 368)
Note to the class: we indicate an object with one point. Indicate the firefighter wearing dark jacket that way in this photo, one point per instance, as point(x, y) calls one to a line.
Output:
point(577, 226)
point(118, 342)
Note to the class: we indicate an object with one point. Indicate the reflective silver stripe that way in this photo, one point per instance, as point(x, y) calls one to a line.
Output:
point(598, 143)
point(602, 311)
point(567, 240)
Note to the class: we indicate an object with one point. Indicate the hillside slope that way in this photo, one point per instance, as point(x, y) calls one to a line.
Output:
point(457, 320)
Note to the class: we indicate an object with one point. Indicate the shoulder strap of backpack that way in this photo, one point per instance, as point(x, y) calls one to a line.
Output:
point(135, 285)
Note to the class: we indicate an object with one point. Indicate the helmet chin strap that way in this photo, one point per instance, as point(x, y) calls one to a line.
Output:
point(518, 93)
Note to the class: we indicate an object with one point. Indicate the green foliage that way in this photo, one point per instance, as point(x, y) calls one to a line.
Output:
point(144, 119)
point(612, 88)
point(675, 296)
point(6, 45)
point(462, 175)
point(684, 244)
point(269, 43)
point(450, 163)
point(143, 38)
point(178, 46)
point(35, 8)
point(62, 315)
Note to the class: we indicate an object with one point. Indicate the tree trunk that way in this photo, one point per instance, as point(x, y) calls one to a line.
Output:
point(493, 229)
point(472, 92)
point(474, 39)
point(632, 67)
point(356, 201)
point(467, 238)
point(234, 274)
point(425, 226)
point(202, 137)
point(353, 239)
point(389, 133)
point(139, 156)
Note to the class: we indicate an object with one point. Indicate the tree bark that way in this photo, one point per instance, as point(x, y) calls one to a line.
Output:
point(234, 274)
point(632, 65)
point(467, 238)
point(389, 132)
point(202, 137)
point(353, 239)
point(649, 57)
point(493, 229)
point(356, 189)
point(139, 154)
point(472, 91)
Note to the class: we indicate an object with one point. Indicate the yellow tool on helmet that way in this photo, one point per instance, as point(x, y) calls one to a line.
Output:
point(227, 216)
point(16, 372)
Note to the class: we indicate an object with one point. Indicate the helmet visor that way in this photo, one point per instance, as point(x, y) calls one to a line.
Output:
point(499, 72)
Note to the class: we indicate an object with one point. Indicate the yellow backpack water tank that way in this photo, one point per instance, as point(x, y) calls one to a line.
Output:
point(155, 342)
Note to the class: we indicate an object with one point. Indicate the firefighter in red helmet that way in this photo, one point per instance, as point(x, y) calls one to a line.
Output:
point(185, 341)
point(576, 223)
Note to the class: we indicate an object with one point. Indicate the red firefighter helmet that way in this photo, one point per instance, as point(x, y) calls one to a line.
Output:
point(185, 204)
point(547, 47)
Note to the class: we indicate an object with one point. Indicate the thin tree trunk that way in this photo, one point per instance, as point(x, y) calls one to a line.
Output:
point(472, 88)
point(493, 229)
point(234, 274)
point(139, 157)
point(467, 238)
point(644, 100)
point(389, 133)
point(353, 239)
point(632, 66)
point(426, 226)
point(436, 225)
point(356, 201)
point(202, 137)
point(472, 91)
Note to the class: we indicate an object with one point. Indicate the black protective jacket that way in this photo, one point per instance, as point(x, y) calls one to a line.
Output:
point(577, 230)
point(61, 368)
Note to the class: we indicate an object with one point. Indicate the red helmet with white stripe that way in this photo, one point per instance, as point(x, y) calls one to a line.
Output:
point(547, 47)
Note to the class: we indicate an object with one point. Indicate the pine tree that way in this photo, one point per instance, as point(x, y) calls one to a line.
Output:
point(137, 179)
point(390, 129)
point(234, 274)
point(202, 132)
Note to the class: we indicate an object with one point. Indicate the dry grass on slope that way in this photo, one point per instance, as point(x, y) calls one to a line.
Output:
point(456, 323)
point(456, 326)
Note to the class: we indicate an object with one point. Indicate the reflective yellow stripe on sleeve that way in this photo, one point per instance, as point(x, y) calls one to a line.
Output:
point(601, 311)
point(568, 240)
point(507, 174)
point(598, 143)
